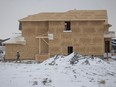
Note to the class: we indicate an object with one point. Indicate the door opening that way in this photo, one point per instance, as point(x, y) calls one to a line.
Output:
point(70, 50)
point(107, 46)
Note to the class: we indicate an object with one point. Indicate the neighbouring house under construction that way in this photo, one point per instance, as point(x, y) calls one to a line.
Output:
point(50, 33)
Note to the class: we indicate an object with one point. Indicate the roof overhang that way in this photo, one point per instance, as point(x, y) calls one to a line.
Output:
point(16, 40)
point(63, 20)
point(109, 34)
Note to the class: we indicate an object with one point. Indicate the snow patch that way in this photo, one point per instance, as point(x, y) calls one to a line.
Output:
point(59, 71)
point(76, 58)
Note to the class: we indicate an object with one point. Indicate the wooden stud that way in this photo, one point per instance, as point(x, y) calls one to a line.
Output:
point(45, 41)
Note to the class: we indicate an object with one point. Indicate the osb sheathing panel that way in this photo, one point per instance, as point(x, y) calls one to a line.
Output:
point(98, 40)
point(32, 43)
point(88, 30)
point(34, 28)
point(41, 58)
point(11, 51)
point(67, 42)
point(30, 31)
point(53, 50)
point(96, 50)
point(66, 36)
point(70, 15)
point(27, 52)
point(80, 49)
point(55, 42)
point(89, 49)
point(64, 50)
point(85, 37)
point(85, 40)
point(56, 27)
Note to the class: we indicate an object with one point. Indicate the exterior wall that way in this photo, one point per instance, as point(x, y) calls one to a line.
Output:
point(55, 28)
point(11, 49)
point(86, 37)
point(30, 30)
point(41, 57)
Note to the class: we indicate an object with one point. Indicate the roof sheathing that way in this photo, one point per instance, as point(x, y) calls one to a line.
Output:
point(74, 15)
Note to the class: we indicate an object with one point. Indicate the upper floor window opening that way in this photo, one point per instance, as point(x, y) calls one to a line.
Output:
point(67, 26)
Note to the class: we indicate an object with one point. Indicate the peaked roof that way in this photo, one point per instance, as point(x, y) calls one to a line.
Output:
point(69, 15)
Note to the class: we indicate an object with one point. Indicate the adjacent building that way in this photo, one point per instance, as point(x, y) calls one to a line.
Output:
point(50, 33)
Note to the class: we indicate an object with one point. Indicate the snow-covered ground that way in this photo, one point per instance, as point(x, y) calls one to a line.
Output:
point(59, 71)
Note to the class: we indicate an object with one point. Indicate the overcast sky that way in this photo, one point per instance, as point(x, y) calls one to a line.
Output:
point(13, 10)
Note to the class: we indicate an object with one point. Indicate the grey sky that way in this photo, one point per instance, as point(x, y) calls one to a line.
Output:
point(13, 10)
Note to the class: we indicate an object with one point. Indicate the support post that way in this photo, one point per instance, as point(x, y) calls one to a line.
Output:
point(39, 45)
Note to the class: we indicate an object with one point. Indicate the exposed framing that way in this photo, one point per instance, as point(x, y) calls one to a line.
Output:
point(42, 37)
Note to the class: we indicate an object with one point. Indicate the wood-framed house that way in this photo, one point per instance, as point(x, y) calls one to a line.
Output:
point(50, 33)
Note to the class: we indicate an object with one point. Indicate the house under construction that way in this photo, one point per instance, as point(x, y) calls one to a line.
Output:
point(50, 33)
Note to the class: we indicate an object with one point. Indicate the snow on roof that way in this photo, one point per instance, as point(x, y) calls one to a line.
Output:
point(15, 40)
